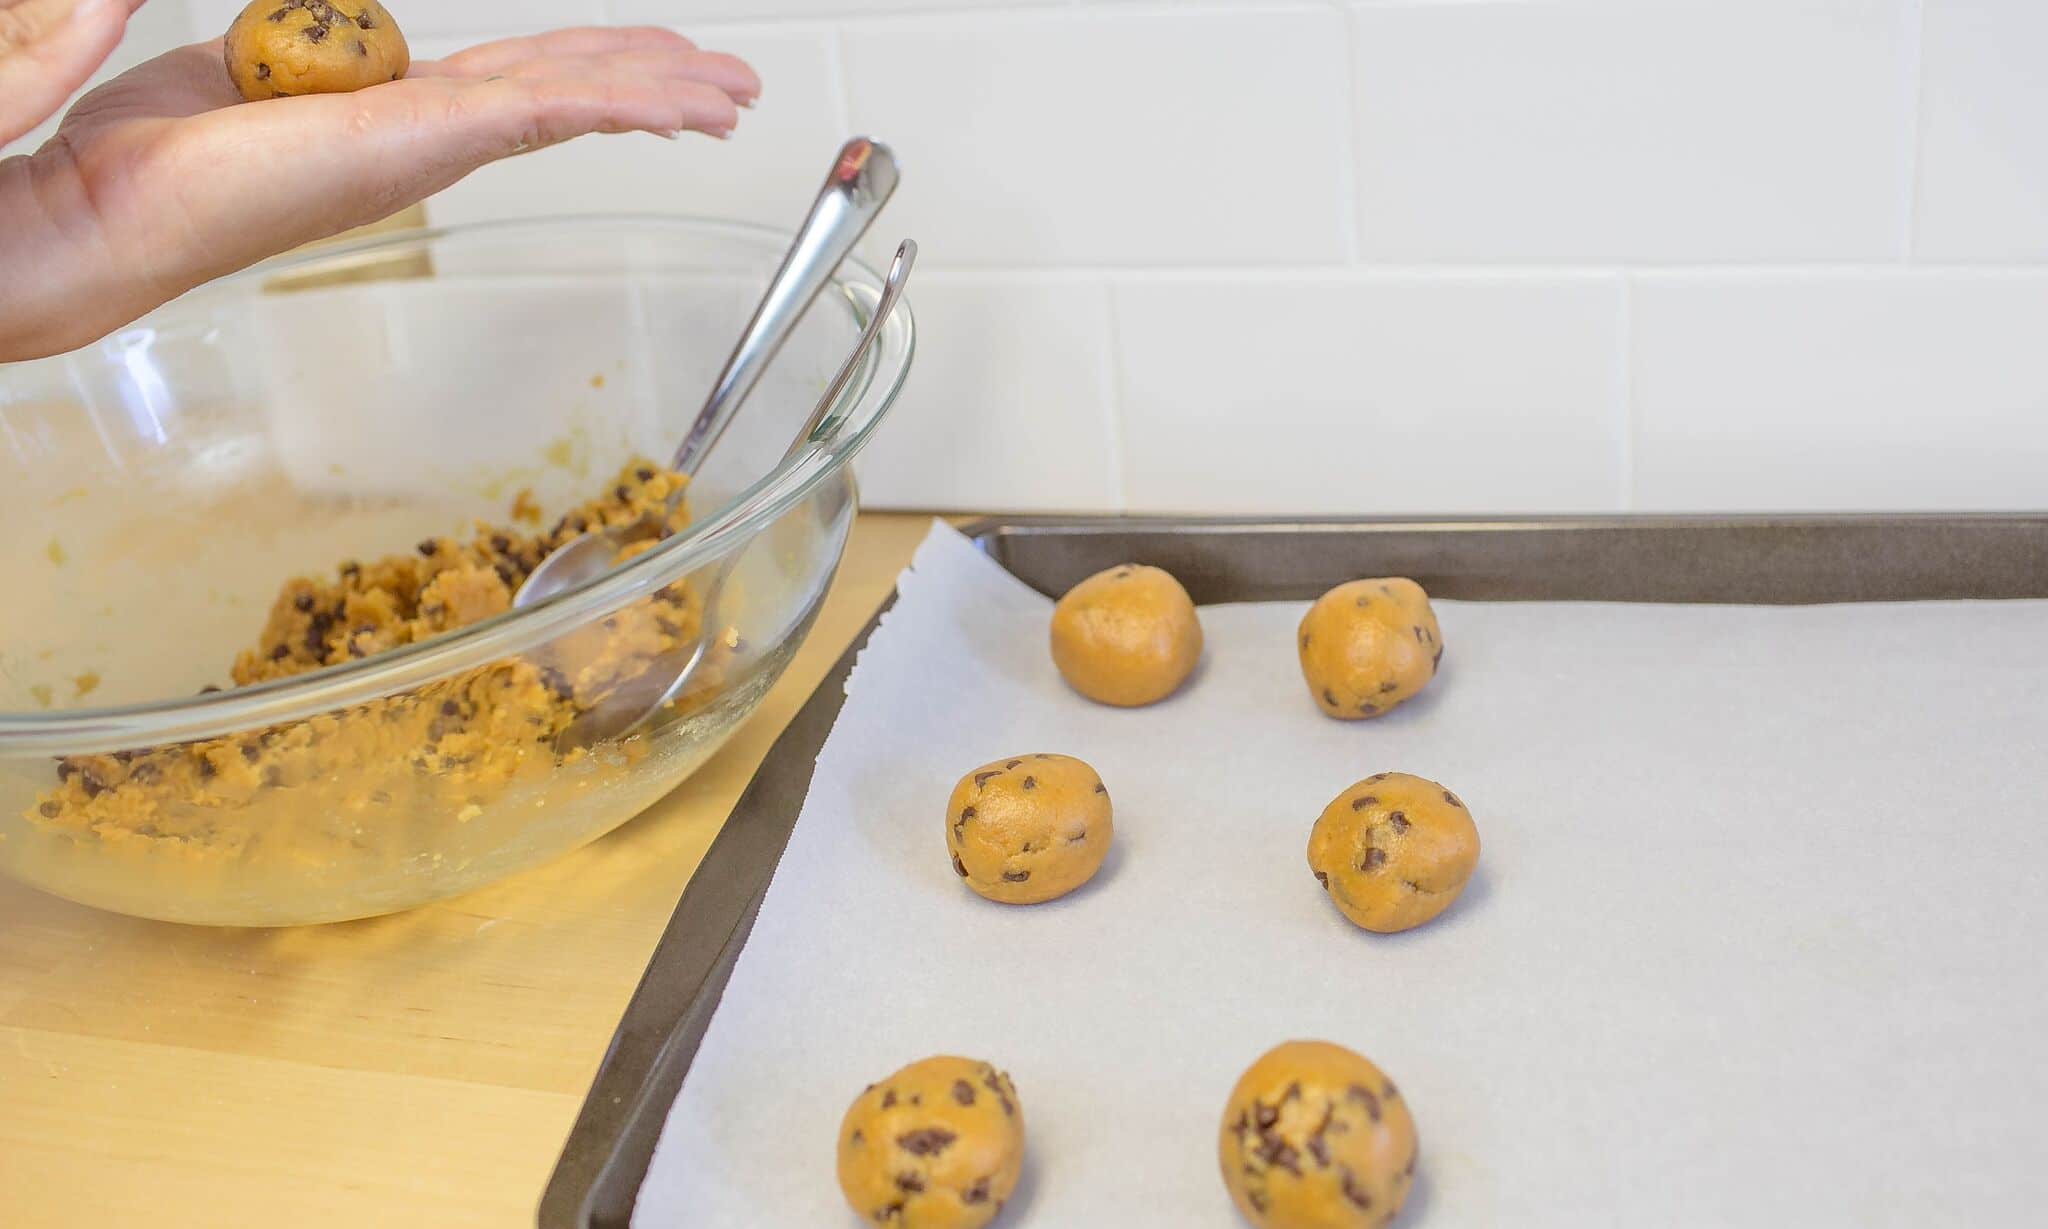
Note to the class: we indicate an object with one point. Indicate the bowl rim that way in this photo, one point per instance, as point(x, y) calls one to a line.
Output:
point(709, 537)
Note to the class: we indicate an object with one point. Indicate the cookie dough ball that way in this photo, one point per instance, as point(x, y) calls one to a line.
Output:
point(1028, 828)
point(1393, 851)
point(1127, 636)
point(1368, 645)
point(281, 47)
point(937, 1145)
point(1316, 1137)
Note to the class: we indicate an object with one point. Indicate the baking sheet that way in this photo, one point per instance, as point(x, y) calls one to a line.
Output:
point(1750, 942)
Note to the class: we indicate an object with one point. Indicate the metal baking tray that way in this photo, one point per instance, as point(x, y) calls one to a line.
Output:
point(1749, 560)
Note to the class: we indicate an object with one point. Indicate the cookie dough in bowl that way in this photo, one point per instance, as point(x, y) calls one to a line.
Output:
point(1394, 851)
point(1028, 828)
point(277, 48)
point(937, 1145)
point(1315, 1136)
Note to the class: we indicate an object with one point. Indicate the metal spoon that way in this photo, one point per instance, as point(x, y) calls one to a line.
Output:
point(640, 698)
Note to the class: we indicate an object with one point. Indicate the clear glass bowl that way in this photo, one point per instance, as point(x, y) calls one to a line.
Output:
point(159, 487)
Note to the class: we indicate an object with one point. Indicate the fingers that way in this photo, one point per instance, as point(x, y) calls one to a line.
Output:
point(47, 50)
point(730, 75)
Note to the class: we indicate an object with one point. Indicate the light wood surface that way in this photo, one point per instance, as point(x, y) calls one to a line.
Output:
point(420, 1069)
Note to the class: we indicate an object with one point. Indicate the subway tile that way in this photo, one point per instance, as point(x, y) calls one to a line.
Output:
point(1006, 406)
point(1983, 165)
point(209, 18)
point(768, 172)
point(668, 12)
point(1878, 390)
point(1371, 393)
point(1154, 137)
point(1604, 130)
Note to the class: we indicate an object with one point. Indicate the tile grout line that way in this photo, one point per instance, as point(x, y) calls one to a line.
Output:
point(1112, 398)
point(1915, 88)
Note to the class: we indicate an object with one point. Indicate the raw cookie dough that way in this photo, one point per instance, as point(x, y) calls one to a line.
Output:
point(1028, 828)
point(281, 47)
point(1316, 1137)
point(1368, 645)
point(938, 1145)
point(1127, 636)
point(440, 753)
point(1393, 851)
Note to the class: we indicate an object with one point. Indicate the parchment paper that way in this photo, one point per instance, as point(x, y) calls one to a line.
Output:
point(1756, 936)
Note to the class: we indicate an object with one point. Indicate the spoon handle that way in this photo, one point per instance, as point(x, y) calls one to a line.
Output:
point(863, 177)
point(892, 290)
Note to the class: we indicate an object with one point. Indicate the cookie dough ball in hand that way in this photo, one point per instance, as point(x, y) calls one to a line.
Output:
point(1393, 851)
point(1368, 645)
point(938, 1145)
point(1316, 1137)
point(281, 47)
point(1127, 636)
point(1028, 828)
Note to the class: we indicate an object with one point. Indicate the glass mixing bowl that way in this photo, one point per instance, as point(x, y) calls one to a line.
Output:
point(396, 402)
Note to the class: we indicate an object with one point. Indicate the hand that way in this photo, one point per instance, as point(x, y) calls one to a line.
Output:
point(163, 178)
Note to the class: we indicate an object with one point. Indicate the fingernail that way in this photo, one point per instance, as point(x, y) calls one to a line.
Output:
point(671, 135)
point(723, 134)
point(749, 103)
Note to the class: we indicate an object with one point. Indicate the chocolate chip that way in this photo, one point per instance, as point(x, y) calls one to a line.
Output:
point(1279, 1154)
point(1013, 763)
point(1100, 788)
point(281, 652)
point(1354, 1194)
point(1304, 640)
point(1420, 637)
point(66, 769)
point(1388, 1091)
point(1364, 1095)
point(1264, 1115)
point(1016, 876)
point(143, 774)
point(1399, 821)
point(363, 22)
point(1389, 686)
point(251, 752)
point(1329, 697)
point(51, 809)
point(501, 543)
point(362, 50)
point(981, 778)
point(963, 1092)
point(926, 1141)
point(208, 690)
point(959, 867)
point(1123, 572)
point(1031, 783)
point(425, 547)
point(992, 1081)
point(303, 603)
point(1438, 660)
point(1364, 800)
point(622, 493)
point(644, 474)
point(978, 1193)
point(204, 767)
point(1374, 859)
point(450, 708)
point(888, 1098)
point(1368, 707)
point(316, 34)
point(278, 15)
point(1363, 602)
point(1078, 837)
point(1322, 879)
point(856, 1137)
point(94, 787)
point(967, 813)
point(909, 1183)
point(1257, 1199)
point(1379, 776)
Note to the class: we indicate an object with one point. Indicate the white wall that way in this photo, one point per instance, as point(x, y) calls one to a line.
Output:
point(1405, 255)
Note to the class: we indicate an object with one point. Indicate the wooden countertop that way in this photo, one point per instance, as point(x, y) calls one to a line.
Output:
point(420, 1069)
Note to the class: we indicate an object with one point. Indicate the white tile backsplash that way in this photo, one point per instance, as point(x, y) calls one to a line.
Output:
point(1007, 405)
point(1391, 255)
point(1371, 393)
point(1983, 165)
point(1610, 131)
point(1895, 390)
point(1176, 137)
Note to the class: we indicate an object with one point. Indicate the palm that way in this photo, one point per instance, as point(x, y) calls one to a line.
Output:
point(164, 179)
